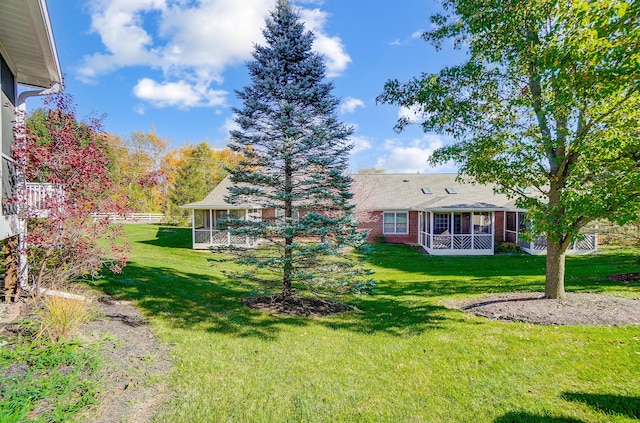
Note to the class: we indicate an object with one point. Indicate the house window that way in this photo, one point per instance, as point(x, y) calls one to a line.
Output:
point(295, 215)
point(396, 223)
point(441, 223)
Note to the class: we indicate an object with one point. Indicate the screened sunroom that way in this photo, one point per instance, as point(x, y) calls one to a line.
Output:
point(208, 231)
point(457, 232)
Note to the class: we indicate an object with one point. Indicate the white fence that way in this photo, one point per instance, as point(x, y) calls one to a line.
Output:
point(131, 217)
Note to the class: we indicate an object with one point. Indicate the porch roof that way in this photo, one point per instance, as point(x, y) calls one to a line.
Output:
point(425, 192)
point(215, 199)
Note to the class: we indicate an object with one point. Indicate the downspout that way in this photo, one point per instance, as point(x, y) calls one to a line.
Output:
point(21, 110)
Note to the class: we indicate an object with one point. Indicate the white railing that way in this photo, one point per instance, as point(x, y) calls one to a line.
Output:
point(462, 242)
point(37, 195)
point(589, 242)
point(208, 237)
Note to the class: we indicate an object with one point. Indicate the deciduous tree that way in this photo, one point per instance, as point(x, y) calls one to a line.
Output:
point(192, 172)
point(549, 100)
point(70, 159)
point(295, 155)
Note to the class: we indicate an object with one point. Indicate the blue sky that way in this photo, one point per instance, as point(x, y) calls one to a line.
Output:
point(174, 65)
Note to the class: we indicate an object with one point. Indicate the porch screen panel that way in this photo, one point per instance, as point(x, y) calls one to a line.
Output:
point(462, 223)
point(511, 221)
point(482, 223)
point(198, 218)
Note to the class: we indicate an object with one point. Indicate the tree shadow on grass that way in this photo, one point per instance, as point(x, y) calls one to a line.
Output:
point(475, 275)
point(610, 404)
point(523, 417)
point(171, 237)
point(202, 301)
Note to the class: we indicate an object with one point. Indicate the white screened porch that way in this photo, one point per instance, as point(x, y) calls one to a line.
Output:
point(208, 232)
point(445, 232)
point(516, 224)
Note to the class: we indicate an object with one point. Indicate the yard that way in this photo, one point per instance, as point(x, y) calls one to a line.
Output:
point(400, 356)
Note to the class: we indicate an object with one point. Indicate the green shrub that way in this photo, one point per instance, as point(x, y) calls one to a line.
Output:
point(380, 239)
point(507, 248)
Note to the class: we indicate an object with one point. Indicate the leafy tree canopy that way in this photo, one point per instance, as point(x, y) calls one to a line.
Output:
point(548, 99)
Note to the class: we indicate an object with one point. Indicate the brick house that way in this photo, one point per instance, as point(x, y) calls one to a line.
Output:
point(433, 210)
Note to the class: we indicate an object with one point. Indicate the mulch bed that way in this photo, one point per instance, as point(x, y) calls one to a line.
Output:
point(296, 305)
point(573, 309)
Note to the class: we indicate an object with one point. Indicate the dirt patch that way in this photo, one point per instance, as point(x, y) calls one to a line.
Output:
point(573, 309)
point(135, 364)
point(625, 277)
point(296, 306)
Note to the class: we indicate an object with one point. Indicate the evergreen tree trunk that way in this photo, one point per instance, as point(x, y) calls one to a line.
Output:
point(287, 268)
point(554, 286)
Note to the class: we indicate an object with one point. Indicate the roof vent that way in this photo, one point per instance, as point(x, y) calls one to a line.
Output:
point(451, 190)
point(405, 180)
point(426, 190)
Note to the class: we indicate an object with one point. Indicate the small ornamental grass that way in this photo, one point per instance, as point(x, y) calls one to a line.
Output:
point(60, 316)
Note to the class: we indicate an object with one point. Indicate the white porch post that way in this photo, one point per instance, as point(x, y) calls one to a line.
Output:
point(420, 225)
point(473, 232)
point(451, 226)
point(493, 228)
point(212, 225)
point(193, 229)
point(430, 233)
point(246, 217)
point(228, 231)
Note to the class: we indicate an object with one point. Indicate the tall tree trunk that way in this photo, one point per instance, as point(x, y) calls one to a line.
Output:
point(287, 269)
point(554, 286)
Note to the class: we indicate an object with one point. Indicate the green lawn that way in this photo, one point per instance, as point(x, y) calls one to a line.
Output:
point(401, 357)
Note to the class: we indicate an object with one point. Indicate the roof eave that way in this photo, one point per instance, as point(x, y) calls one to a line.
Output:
point(38, 34)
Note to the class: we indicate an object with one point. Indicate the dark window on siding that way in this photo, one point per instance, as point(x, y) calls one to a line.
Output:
point(8, 81)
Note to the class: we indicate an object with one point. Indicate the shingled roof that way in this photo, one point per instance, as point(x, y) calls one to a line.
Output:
point(215, 199)
point(422, 191)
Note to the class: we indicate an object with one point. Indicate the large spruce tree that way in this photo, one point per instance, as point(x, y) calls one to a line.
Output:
point(295, 160)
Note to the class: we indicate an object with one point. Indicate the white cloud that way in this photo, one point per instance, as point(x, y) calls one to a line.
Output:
point(229, 125)
point(413, 114)
point(405, 41)
point(180, 94)
point(412, 158)
point(360, 144)
point(331, 48)
point(139, 109)
point(192, 42)
point(350, 104)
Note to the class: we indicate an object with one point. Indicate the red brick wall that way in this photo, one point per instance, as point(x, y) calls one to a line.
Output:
point(372, 221)
point(499, 229)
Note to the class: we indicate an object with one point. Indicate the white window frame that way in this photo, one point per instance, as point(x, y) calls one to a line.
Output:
point(395, 222)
